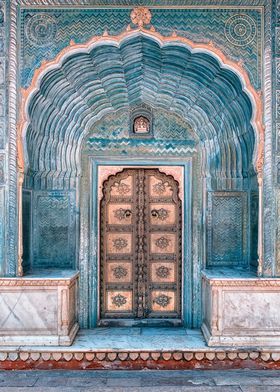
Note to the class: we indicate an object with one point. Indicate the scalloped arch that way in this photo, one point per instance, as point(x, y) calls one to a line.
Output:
point(86, 81)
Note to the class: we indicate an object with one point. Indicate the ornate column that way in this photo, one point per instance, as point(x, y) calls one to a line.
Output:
point(3, 145)
point(260, 227)
point(276, 114)
point(20, 238)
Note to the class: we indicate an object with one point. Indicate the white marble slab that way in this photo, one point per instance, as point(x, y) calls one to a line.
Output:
point(28, 311)
point(130, 339)
point(241, 311)
point(39, 309)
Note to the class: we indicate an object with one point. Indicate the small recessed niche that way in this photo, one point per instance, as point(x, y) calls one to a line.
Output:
point(141, 122)
point(141, 125)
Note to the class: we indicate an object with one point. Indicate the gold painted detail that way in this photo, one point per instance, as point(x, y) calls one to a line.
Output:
point(161, 214)
point(162, 300)
point(122, 213)
point(119, 300)
point(141, 16)
point(163, 272)
point(119, 272)
point(162, 242)
point(120, 243)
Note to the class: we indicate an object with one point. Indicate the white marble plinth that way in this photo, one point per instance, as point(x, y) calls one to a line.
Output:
point(241, 311)
point(38, 309)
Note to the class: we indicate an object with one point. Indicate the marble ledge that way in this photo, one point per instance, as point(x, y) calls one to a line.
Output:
point(42, 277)
point(229, 273)
point(236, 277)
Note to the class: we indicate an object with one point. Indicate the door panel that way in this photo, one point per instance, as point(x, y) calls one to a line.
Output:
point(119, 272)
point(119, 214)
point(140, 246)
point(163, 228)
point(118, 246)
point(163, 272)
point(119, 243)
point(163, 243)
point(162, 214)
point(119, 301)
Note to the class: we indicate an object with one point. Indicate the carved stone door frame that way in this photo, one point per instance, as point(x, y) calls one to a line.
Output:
point(100, 169)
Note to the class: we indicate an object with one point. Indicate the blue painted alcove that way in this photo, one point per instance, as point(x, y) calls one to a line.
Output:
point(69, 131)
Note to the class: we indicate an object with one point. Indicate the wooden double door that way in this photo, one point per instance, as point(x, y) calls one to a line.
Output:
point(140, 249)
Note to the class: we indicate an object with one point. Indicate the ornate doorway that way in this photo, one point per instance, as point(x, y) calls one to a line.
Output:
point(140, 244)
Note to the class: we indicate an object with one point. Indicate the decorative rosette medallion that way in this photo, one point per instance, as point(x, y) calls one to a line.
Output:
point(141, 16)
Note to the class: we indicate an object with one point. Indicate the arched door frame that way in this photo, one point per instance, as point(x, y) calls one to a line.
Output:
point(187, 272)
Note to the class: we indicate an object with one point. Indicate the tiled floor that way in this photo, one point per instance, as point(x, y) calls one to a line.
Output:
point(140, 381)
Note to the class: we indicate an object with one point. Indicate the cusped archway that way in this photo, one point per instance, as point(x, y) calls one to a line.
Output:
point(88, 83)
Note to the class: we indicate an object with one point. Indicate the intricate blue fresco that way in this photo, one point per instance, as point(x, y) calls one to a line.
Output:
point(227, 216)
point(167, 126)
point(138, 72)
point(44, 33)
point(172, 137)
point(53, 230)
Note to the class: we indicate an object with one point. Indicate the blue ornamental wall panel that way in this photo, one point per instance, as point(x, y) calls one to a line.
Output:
point(227, 229)
point(27, 229)
point(54, 230)
point(254, 215)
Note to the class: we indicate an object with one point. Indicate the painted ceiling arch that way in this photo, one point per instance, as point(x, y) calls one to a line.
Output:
point(89, 81)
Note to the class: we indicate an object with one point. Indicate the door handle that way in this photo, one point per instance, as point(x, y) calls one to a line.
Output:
point(154, 213)
point(128, 213)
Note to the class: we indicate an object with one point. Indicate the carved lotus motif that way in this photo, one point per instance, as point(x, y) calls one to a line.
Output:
point(163, 272)
point(162, 300)
point(119, 300)
point(120, 243)
point(119, 272)
point(162, 242)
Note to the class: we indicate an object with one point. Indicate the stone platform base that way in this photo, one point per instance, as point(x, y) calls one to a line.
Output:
point(241, 310)
point(138, 348)
point(39, 309)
